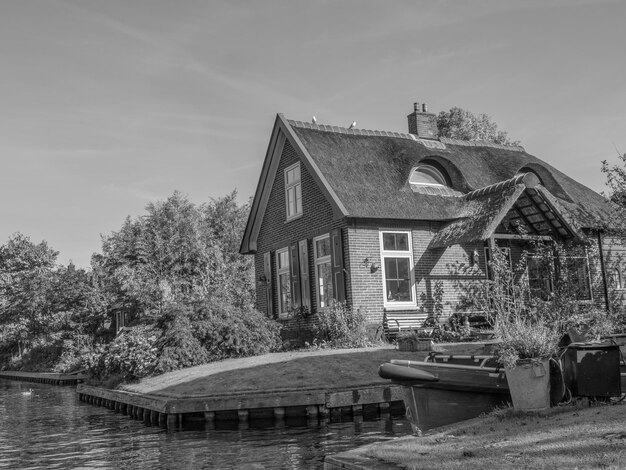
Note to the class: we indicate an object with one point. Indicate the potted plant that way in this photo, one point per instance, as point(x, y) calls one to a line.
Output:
point(526, 344)
point(415, 340)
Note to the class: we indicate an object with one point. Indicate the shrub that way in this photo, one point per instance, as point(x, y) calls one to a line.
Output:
point(130, 356)
point(178, 347)
point(40, 357)
point(228, 331)
point(341, 327)
point(75, 352)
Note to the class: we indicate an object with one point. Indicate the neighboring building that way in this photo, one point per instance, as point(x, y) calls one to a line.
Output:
point(377, 218)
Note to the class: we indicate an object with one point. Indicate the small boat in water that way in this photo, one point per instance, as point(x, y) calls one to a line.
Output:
point(478, 374)
point(444, 389)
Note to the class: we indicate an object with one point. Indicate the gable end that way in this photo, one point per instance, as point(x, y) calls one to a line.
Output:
point(282, 133)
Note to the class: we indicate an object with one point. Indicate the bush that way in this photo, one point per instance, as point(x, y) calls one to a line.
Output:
point(228, 331)
point(130, 356)
point(40, 357)
point(75, 353)
point(340, 327)
point(177, 346)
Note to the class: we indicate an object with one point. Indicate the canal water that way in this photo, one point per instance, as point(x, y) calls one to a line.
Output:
point(51, 429)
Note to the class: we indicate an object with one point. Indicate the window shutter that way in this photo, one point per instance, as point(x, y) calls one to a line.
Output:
point(337, 264)
point(294, 265)
point(304, 273)
point(267, 271)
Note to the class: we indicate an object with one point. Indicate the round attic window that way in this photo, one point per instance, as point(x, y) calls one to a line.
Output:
point(427, 175)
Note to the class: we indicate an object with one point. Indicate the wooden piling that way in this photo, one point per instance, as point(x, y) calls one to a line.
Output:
point(311, 411)
point(172, 421)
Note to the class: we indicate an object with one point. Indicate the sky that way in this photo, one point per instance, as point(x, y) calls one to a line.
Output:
point(106, 106)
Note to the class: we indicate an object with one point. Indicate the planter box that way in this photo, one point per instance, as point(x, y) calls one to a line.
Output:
point(529, 384)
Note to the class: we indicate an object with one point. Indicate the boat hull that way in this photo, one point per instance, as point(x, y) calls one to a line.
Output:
point(428, 407)
point(446, 390)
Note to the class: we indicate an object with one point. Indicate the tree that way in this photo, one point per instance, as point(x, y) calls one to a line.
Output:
point(25, 278)
point(616, 180)
point(178, 269)
point(462, 124)
point(45, 308)
point(176, 253)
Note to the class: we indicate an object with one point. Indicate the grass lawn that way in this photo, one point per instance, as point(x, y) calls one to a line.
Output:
point(564, 437)
point(325, 369)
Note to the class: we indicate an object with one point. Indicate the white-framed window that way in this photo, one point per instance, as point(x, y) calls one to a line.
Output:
point(427, 175)
point(284, 281)
point(323, 270)
point(293, 191)
point(398, 277)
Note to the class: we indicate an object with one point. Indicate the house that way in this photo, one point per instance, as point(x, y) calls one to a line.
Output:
point(378, 219)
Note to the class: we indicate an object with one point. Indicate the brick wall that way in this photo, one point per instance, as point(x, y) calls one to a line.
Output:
point(446, 265)
point(275, 233)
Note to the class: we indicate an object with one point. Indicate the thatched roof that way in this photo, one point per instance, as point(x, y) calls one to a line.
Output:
point(365, 174)
point(369, 171)
point(519, 204)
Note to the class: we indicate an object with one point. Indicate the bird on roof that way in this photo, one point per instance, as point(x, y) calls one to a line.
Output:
point(353, 125)
point(314, 120)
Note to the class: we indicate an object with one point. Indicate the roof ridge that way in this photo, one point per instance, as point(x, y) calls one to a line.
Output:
point(354, 131)
point(432, 143)
point(481, 143)
point(529, 180)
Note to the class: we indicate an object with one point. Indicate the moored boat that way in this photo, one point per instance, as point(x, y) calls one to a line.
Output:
point(444, 389)
point(474, 374)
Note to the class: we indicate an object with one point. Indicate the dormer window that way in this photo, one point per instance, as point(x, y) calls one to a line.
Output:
point(293, 191)
point(427, 175)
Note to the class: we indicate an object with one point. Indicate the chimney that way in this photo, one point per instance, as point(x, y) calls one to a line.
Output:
point(422, 123)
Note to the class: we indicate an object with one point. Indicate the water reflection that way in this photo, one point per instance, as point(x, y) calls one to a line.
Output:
point(51, 429)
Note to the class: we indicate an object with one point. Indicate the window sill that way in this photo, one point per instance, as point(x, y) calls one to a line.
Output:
point(390, 308)
point(295, 217)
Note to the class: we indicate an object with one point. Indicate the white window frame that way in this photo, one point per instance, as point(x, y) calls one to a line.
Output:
point(293, 193)
point(280, 270)
point(388, 304)
point(428, 169)
point(319, 261)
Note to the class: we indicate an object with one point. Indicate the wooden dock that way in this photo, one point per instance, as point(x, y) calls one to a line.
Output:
point(50, 378)
point(173, 413)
